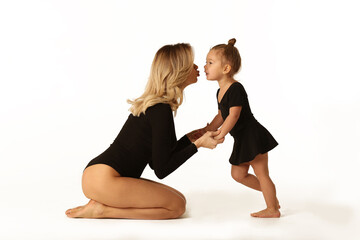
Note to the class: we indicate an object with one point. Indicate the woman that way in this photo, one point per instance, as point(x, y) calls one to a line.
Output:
point(112, 180)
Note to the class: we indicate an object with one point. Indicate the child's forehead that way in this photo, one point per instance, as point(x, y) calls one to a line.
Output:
point(214, 54)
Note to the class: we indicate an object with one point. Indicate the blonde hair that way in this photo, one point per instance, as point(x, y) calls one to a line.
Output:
point(231, 55)
point(170, 68)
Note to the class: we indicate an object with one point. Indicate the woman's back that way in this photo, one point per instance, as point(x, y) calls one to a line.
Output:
point(150, 139)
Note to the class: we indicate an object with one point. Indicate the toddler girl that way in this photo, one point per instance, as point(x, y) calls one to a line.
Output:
point(252, 141)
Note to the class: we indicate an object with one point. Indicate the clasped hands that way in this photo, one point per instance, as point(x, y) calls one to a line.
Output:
point(203, 138)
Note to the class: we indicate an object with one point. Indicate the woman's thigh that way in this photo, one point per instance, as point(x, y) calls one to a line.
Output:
point(168, 187)
point(105, 185)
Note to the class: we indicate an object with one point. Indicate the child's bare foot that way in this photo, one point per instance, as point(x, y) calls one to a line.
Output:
point(267, 213)
point(91, 210)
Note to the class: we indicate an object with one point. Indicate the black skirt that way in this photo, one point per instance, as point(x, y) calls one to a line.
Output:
point(250, 141)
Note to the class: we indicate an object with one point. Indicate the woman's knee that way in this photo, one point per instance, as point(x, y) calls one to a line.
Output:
point(92, 188)
point(96, 179)
point(178, 209)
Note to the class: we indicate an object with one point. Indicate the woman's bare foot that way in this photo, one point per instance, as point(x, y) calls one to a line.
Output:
point(91, 210)
point(267, 213)
point(277, 204)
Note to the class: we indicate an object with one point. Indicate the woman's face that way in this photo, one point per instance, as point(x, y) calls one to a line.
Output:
point(192, 77)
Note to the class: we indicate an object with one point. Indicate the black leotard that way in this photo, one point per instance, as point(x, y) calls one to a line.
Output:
point(147, 139)
point(250, 137)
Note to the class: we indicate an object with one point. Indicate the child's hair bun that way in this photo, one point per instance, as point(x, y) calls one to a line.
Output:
point(232, 42)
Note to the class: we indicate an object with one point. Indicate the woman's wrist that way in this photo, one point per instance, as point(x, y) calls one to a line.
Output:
point(198, 143)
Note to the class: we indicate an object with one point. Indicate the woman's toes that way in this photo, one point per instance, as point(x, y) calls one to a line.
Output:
point(73, 212)
point(91, 210)
point(68, 212)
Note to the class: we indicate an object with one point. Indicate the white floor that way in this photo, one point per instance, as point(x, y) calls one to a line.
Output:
point(319, 196)
point(214, 212)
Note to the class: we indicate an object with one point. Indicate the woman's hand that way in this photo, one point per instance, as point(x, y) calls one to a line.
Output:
point(205, 129)
point(208, 141)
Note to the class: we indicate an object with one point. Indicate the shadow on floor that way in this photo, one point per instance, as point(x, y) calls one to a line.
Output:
point(226, 205)
point(221, 205)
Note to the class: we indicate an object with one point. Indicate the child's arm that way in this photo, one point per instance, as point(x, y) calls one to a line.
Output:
point(229, 122)
point(215, 123)
point(213, 126)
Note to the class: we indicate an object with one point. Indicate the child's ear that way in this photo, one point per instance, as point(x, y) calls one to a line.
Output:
point(227, 69)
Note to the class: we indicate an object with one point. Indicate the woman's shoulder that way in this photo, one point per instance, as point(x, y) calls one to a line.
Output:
point(159, 115)
point(158, 109)
point(160, 106)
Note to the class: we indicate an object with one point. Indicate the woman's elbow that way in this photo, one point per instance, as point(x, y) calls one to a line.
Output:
point(160, 174)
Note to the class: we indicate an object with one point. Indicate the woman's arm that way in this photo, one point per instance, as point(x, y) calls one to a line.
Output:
point(229, 122)
point(168, 153)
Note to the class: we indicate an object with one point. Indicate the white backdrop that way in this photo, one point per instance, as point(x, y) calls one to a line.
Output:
point(68, 67)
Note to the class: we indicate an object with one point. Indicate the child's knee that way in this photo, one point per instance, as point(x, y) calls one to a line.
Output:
point(238, 175)
point(240, 172)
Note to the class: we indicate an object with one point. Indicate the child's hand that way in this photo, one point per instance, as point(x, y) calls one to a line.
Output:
point(219, 136)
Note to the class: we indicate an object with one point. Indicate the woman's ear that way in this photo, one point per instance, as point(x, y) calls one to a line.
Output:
point(227, 69)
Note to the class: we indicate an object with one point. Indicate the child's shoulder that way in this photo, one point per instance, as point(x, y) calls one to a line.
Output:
point(237, 89)
point(234, 87)
point(237, 86)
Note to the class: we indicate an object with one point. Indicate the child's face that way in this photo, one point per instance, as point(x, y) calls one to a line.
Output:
point(213, 67)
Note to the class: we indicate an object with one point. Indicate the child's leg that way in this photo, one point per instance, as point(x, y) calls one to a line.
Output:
point(260, 166)
point(240, 174)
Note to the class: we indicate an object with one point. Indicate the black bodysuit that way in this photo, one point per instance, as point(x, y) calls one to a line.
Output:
point(147, 139)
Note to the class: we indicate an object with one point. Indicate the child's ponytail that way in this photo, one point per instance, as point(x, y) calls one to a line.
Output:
point(232, 42)
point(231, 55)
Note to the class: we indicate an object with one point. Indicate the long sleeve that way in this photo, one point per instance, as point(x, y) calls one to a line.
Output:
point(167, 153)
